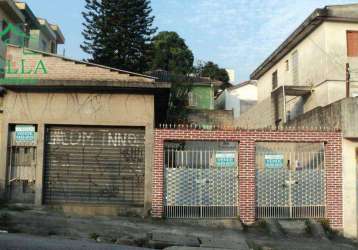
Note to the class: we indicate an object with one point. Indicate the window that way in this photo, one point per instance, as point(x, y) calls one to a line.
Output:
point(295, 76)
point(352, 43)
point(192, 99)
point(287, 65)
point(43, 45)
point(274, 80)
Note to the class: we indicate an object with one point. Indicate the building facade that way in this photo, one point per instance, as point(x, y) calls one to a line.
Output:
point(25, 29)
point(304, 83)
point(79, 136)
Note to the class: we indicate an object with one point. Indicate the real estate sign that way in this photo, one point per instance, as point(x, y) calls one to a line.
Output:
point(274, 161)
point(25, 133)
point(225, 159)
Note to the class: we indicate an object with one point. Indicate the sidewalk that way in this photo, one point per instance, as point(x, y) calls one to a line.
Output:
point(148, 233)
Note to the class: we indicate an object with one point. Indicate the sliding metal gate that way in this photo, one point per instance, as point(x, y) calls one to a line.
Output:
point(290, 180)
point(200, 183)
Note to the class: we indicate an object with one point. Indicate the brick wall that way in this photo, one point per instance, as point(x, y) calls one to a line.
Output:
point(247, 140)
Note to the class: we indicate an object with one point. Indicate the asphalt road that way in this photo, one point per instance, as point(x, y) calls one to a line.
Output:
point(27, 242)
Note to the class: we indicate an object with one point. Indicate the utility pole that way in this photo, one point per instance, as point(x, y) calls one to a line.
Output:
point(348, 76)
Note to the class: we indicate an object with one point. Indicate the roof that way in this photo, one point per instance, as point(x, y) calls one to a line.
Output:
point(10, 7)
point(63, 71)
point(341, 13)
point(240, 85)
point(31, 19)
point(38, 23)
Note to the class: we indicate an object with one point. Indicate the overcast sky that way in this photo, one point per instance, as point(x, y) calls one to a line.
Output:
point(236, 34)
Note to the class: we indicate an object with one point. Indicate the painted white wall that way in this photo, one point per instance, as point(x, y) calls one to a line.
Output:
point(322, 57)
point(312, 62)
point(237, 99)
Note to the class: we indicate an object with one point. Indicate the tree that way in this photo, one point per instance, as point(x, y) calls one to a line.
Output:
point(117, 33)
point(213, 71)
point(170, 53)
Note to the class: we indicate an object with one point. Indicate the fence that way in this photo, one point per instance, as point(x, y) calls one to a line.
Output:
point(247, 141)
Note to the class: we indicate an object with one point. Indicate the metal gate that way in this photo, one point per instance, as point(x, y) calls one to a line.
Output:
point(290, 180)
point(201, 182)
point(94, 165)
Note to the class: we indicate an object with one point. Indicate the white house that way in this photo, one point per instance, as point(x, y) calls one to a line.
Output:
point(238, 98)
point(305, 82)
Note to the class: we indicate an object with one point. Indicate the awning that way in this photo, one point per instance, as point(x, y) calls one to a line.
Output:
point(292, 90)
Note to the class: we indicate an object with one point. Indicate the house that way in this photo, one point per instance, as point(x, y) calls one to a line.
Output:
point(20, 26)
point(199, 94)
point(238, 98)
point(310, 80)
point(79, 136)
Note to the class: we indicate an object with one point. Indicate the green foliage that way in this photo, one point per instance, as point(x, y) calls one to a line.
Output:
point(94, 236)
point(178, 99)
point(213, 71)
point(5, 220)
point(117, 33)
point(308, 227)
point(170, 53)
point(331, 233)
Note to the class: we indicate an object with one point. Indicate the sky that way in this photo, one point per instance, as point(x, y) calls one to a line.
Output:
point(236, 34)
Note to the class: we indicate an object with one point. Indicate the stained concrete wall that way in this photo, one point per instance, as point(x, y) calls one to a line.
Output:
point(76, 109)
point(211, 117)
point(350, 194)
point(343, 115)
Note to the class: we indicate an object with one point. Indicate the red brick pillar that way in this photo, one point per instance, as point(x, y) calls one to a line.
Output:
point(334, 182)
point(158, 178)
point(247, 197)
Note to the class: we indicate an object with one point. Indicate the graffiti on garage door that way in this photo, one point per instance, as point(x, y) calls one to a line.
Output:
point(94, 165)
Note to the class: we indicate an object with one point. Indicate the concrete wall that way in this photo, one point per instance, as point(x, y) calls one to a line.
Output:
point(76, 109)
point(260, 115)
point(350, 195)
point(343, 115)
point(211, 117)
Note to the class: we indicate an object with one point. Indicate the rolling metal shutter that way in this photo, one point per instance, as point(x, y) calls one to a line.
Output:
point(94, 165)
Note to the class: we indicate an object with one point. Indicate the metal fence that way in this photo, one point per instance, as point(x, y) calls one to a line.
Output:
point(200, 183)
point(290, 180)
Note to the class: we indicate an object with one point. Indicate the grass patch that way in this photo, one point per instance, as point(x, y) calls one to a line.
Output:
point(94, 236)
point(331, 233)
point(18, 208)
point(308, 227)
point(262, 225)
point(5, 221)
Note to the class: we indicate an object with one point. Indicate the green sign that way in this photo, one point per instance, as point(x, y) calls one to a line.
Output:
point(274, 161)
point(25, 133)
point(19, 71)
point(225, 159)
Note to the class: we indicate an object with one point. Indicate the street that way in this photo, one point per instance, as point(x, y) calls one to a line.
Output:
point(28, 242)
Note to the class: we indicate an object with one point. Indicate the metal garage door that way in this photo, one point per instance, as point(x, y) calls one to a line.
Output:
point(96, 165)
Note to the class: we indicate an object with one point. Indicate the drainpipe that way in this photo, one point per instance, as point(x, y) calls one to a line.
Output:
point(348, 76)
point(284, 104)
